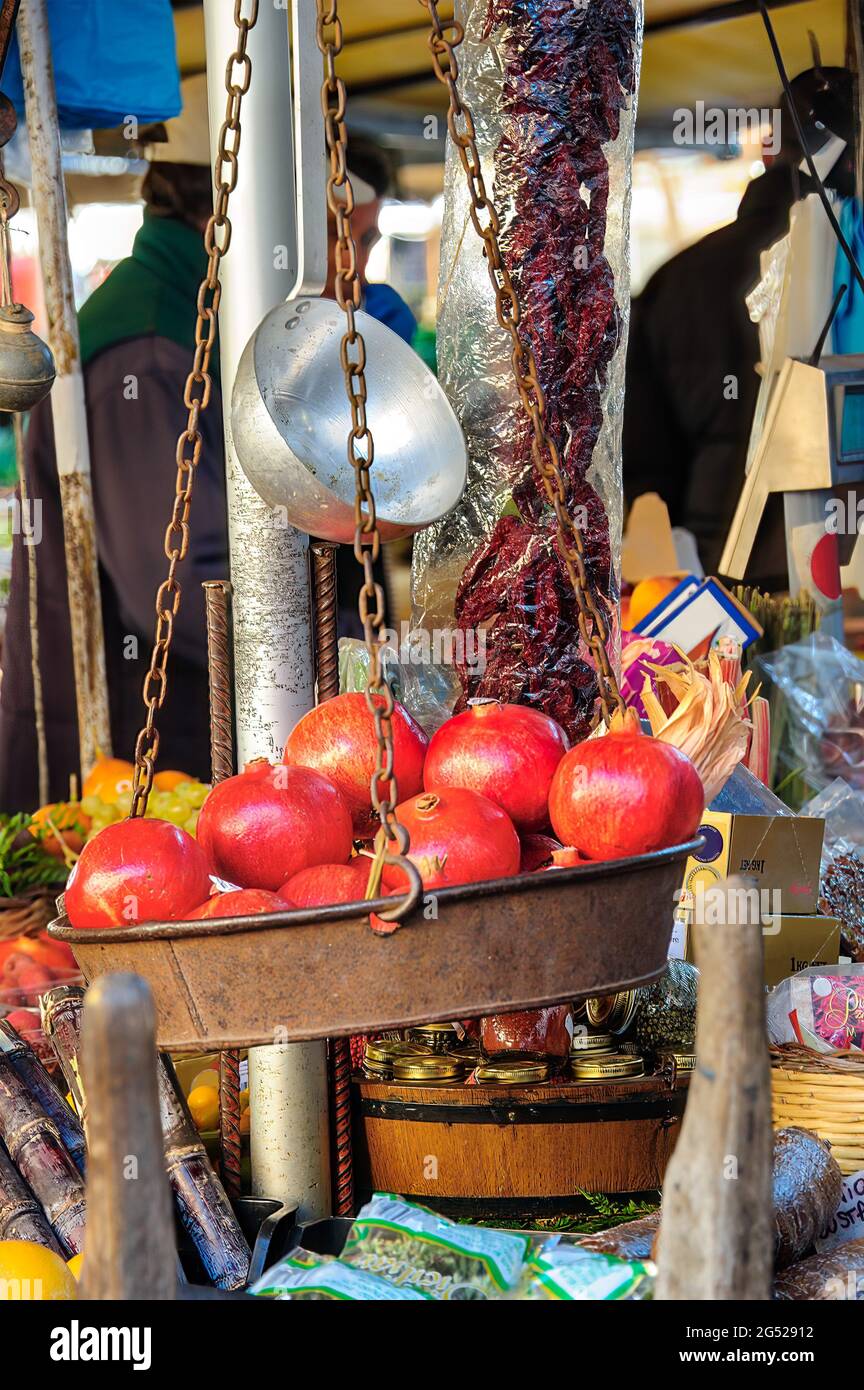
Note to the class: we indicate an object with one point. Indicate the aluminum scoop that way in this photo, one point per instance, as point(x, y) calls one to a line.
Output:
point(289, 410)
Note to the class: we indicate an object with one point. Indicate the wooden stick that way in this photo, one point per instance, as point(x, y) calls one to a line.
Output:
point(130, 1225)
point(716, 1237)
point(67, 397)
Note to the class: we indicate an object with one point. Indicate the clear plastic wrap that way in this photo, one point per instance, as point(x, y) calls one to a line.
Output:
point(841, 888)
point(552, 89)
point(820, 686)
point(666, 1016)
point(832, 1275)
point(807, 1185)
point(821, 1007)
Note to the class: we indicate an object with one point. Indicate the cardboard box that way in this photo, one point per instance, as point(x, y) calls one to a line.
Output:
point(781, 853)
point(790, 943)
point(794, 943)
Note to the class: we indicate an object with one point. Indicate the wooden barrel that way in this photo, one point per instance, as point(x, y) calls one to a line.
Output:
point(498, 1143)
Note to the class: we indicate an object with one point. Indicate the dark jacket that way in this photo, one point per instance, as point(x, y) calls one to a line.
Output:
point(686, 425)
point(132, 444)
point(137, 336)
point(136, 327)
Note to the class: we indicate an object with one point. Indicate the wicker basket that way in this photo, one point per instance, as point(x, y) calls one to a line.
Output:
point(28, 914)
point(824, 1094)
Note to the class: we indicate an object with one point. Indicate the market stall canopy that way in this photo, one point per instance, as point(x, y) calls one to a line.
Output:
point(695, 50)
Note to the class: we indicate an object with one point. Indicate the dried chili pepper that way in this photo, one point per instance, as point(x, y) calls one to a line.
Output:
point(569, 72)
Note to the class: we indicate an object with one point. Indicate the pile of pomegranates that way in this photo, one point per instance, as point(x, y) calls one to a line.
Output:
point(496, 792)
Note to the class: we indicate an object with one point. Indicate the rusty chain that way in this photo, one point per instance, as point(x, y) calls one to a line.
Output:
point(196, 398)
point(460, 123)
point(361, 456)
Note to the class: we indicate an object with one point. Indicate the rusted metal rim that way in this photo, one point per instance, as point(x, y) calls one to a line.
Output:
point(61, 930)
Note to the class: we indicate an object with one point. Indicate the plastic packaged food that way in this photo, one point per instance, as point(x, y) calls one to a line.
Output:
point(833, 1274)
point(666, 1011)
point(552, 90)
point(570, 1272)
point(820, 682)
point(632, 1240)
point(841, 889)
point(821, 1007)
point(529, 1033)
point(318, 1277)
point(413, 1248)
point(807, 1189)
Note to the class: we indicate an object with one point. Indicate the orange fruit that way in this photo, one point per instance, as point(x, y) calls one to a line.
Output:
point(109, 779)
point(65, 816)
point(646, 595)
point(203, 1104)
point(32, 1272)
point(167, 781)
point(245, 1121)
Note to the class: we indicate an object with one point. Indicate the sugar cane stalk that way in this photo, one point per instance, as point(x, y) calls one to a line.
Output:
point(42, 1089)
point(203, 1207)
point(21, 1217)
point(41, 1158)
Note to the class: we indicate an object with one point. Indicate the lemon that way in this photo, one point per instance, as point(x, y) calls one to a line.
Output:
point(244, 1098)
point(31, 1272)
point(74, 1266)
point(204, 1107)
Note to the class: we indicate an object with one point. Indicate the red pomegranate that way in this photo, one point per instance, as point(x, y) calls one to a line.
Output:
point(137, 871)
point(267, 823)
point(338, 739)
point(536, 852)
point(241, 902)
point(625, 793)
point(457, 836)
point(324, 884)
point(506, 752)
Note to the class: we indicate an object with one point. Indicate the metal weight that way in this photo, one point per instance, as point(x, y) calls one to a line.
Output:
point(27, 368)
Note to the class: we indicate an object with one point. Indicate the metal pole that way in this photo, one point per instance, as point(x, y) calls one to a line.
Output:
point(339, 1060)
point(67, 397)
point(273, 668)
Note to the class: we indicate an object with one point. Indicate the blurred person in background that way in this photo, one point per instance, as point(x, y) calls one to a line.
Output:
point(690, 330)
point(137, 340)
point(371, 181)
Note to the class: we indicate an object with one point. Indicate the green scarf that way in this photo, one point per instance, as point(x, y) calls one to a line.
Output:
point(153, 291)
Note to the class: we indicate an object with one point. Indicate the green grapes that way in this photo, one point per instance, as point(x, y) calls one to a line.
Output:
point(194, 794)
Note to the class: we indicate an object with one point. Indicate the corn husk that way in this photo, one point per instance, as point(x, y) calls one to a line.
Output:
point(710, 721)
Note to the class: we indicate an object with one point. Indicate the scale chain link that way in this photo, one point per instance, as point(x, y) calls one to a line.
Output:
point(361, 456)
point(197, 393)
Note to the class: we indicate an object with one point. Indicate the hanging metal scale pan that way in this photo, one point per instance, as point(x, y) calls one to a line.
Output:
point(289, 416)
point(289, 410)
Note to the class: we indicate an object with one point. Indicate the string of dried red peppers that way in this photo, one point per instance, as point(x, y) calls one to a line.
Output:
point(569, 71)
